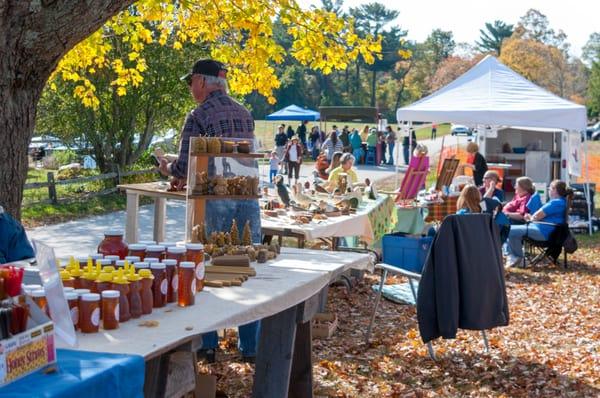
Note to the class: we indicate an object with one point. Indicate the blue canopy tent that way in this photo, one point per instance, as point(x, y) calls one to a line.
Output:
point(293, 112)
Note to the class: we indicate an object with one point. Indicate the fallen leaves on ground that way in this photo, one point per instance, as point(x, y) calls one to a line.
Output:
point(550, 349)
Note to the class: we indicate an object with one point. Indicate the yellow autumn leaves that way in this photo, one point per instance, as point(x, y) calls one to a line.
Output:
point(236, 32)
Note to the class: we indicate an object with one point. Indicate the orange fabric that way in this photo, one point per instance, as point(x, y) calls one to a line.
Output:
point(594, 170)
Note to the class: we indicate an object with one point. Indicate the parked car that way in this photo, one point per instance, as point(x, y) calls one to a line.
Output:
point(458, 129)
point(593, 131)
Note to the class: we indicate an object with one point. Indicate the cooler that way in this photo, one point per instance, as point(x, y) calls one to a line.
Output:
point(406, 251)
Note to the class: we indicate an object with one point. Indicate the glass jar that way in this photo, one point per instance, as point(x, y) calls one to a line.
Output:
point(73, 302)
point(159, 285)
point(187, 284)
point(146, 291)
point(121, 263)
point(82, 260)
point(137, 250)
point(172, 284)
point(104, 262)
point(89, 313)
point(88, 281)
point(134, 259)
point(104, 282)
point(96, 256)
point(156, 251)
point(177, 253)
point(151, 260)
point(76, 274)
point(110, 309)
point(167, 244)
point(147, 242)
point(67, 289)
point(113, 244)
point(81, 292)
point(195, 254)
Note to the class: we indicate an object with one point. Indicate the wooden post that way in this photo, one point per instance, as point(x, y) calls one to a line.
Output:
point(160, 210)
point(131, 225)
point(52, 188)
point(118, 178)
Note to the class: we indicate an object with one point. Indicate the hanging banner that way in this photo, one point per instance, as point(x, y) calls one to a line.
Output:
point(575, 154)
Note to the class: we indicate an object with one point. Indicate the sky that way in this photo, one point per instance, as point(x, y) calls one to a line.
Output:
point(577, 18)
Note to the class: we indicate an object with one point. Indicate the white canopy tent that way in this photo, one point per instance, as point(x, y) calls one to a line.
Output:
point(491, 94)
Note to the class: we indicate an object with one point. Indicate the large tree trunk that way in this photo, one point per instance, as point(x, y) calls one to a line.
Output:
point(34, 36)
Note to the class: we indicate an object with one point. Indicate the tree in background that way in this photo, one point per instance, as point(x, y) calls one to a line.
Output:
point(236, 32)
point(450, 69)
point(593, 94)
point(490, 39)
point(591, 50)
point(119, 130)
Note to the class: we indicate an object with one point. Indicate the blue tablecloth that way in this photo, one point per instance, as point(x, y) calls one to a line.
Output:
point(84, 375)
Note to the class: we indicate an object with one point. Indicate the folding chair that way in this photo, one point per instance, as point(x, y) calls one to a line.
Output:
point(537, 251)
point(412, 278)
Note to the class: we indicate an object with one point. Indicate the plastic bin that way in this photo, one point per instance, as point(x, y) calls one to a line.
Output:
point(406, 251)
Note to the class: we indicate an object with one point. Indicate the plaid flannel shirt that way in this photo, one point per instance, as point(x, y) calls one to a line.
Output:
point(218, 116)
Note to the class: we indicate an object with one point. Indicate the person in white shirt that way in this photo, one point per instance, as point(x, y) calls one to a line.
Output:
point(293, 157)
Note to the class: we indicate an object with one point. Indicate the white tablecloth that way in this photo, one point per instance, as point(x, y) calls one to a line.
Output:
point(296, 275)
point(357, 224)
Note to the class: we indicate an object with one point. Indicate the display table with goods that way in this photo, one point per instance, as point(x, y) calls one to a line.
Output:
point(368, 220)
point(284, 292)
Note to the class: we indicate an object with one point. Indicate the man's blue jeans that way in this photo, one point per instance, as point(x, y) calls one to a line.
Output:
point(219, 216)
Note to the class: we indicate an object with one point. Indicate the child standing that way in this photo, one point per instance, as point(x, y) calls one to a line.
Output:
point(274, 163)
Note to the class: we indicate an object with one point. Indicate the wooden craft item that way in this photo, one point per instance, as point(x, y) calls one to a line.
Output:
point(232, 260)
point(447, 173)
point(231, 270)
point(213, 283)
point(220, 276)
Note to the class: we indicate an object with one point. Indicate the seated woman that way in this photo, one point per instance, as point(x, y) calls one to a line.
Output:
point(541, 222)
point(491, 178)
point(346, 166)
point(321, 183)
point(516, 209)
point(469, 200)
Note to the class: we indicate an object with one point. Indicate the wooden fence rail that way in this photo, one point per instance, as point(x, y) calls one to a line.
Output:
point(51, 184)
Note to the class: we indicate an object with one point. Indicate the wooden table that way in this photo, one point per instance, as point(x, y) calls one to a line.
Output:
point(156, 190)
point(285, 294)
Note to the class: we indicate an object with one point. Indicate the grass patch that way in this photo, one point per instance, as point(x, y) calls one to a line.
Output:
point(42, 214)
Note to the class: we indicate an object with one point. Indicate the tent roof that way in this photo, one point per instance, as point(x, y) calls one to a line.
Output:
point(293, 112)
point(348, 113)
point(490, 93)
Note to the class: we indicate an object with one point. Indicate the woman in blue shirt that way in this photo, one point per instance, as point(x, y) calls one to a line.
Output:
point(554, 211)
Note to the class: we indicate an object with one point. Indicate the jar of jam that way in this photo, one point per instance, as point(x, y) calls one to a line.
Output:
point(137, 250)
point(81, 292)
point(113, 244)
point(104, 262)
point(146, 290)
point(134, 297)
point(167, 244)
point(39, 297)
point(96, 256)
point(121, 263)
point(176, 253)
point(121, 284)
point(160, 284)
point(156, 251)
point(172, 284)
point(66, 278)
point(82, 260)
point(112, 259)
point(134, 259)
point(67, 289)
point(195, 254)
point(110, 309)
point(89, 313)
point(187, 284)
point(73, 302)
point(151, 260)
point(141, 265)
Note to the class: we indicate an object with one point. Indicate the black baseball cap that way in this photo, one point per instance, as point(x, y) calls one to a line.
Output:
point(208, 67)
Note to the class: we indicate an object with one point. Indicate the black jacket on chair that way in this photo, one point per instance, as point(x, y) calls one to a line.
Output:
point(462, 284)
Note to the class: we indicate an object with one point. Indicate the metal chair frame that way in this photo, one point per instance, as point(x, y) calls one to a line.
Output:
point(386, 268)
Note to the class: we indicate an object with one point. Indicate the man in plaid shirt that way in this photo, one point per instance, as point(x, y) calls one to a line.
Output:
point(217, 115)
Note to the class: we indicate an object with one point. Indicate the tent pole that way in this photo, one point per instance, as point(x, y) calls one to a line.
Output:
point(586, 185)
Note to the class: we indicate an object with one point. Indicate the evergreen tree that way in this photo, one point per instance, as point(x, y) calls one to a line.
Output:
point(491, 37)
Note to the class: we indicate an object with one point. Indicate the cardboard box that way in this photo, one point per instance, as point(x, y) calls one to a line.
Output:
point(323, 325)
point(29, 351)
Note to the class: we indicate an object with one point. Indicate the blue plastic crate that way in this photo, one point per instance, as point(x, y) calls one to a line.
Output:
point(406, 251)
